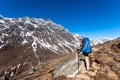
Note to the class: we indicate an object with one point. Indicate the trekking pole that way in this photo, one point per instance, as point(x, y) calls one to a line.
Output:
point(78, 52)
point(78, 60)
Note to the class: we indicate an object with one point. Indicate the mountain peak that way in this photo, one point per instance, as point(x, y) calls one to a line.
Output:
point(1, 17)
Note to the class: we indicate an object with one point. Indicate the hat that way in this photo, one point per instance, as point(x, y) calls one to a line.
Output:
point(81, 38)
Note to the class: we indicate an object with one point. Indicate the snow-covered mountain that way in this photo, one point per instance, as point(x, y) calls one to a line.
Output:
point(77, 37)
point(40, 33)
point(32, 40)
point(100, 41)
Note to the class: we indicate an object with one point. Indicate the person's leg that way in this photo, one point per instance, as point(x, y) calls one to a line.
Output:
point(87, 62)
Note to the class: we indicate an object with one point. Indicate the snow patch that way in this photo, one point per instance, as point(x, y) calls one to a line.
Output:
point(34, 45)
point(24, 42)
point(28, 34)
point(1, 46)
point(55, 47)
point(2, 21)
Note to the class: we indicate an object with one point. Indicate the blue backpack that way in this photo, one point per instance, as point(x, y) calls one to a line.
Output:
point(86, 48)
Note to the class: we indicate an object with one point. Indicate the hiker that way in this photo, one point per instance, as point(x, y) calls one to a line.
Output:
point(85, 48)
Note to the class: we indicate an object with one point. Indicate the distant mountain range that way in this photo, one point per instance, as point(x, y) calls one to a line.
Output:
point(93, 42)
point(100, 41)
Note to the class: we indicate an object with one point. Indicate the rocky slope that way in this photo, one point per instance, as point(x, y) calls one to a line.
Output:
point(108, 56)
point(105, 64)
point(27, 42)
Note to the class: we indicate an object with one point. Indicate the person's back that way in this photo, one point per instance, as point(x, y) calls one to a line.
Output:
point(86, 49)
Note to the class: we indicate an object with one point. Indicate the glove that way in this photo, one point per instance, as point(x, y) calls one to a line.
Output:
point(78, 50)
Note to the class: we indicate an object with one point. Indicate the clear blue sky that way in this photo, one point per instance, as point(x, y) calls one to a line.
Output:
point(92, 18)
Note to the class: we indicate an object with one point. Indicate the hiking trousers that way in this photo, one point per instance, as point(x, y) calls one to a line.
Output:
point(87, 62)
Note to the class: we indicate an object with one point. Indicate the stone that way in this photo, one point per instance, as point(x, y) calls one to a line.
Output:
point(92, 73)
point(26, 79)
point(32, 71)
point(82, 76)
point(12, 74)
point(117, 57)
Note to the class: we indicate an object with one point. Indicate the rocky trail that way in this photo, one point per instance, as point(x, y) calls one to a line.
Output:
point(69, 68)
